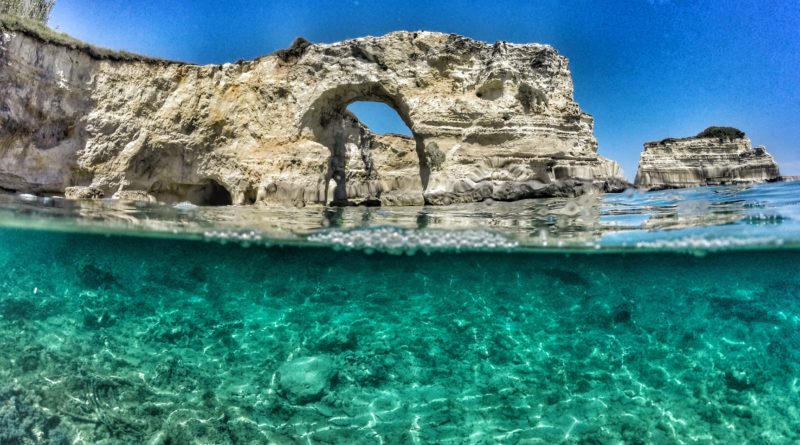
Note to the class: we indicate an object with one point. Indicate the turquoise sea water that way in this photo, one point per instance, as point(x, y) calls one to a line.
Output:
point(667, 317)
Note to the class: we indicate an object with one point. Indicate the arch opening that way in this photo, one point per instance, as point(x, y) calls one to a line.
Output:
point(376, 161)
point(379, 118)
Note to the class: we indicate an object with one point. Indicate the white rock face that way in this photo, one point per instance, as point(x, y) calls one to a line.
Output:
point(690, 162)
point(488, 121)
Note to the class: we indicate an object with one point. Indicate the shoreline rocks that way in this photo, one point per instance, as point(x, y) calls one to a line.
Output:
point(488, 121)
point(716, 156)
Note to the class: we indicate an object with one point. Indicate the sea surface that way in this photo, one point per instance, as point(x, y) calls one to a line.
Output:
point(669, 317)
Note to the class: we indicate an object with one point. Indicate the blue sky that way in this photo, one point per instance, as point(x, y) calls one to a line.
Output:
point(645, 69)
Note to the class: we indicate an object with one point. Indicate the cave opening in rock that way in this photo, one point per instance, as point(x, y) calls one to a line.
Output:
point(379, 117)
point(212, 193)
point(206, 193)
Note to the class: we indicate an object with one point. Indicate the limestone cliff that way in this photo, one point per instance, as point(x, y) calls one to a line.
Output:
point(704, 160)
point(488, 121)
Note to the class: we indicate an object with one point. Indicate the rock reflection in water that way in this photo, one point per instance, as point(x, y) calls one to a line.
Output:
point(698, 218)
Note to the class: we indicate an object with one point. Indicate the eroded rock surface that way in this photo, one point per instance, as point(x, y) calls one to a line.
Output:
point(488, 121)
point(689, 162)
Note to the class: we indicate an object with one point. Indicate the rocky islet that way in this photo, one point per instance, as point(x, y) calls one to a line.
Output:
point(716, 156)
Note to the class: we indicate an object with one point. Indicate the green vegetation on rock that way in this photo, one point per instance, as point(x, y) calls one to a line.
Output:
point(711, 132)
point(721, 133)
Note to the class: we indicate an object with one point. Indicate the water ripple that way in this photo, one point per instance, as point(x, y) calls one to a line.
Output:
point(725, 217)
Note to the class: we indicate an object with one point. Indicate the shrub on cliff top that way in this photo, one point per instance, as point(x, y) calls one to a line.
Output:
point(38, 10)
point(721, 133)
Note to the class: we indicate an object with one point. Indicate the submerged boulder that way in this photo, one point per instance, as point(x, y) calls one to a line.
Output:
point(305, 379)
point(716, 156)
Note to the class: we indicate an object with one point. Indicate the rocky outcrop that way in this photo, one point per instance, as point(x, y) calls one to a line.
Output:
point(488, 121)
point(709, 159)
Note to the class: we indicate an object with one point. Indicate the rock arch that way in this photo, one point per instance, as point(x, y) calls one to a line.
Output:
point(488, 121)
point(358, 170)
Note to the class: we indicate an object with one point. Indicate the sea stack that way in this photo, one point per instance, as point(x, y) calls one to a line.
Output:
point(716, 156)
point(488, 121)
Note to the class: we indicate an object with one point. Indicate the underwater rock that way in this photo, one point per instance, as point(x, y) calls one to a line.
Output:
point(17, 308)
point(716, 156)
point(567, 277)
point(739, 380)
point(338, 339)
point(488, 121)
point(22, 309)
point(22, 422)
point(190, 426)
point(622, 313)
point(743, 310)
point(367, 369)
point(93, 276)
point(306, 379)
point(95, 320)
